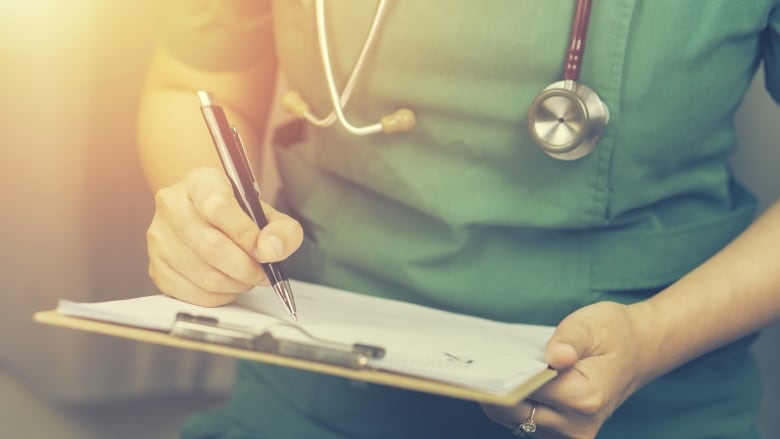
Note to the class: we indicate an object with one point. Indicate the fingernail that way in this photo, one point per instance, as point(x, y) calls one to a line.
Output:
point(271, 247)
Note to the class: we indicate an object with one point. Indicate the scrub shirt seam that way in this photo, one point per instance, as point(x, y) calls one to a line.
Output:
point(613, 88)
point(616, 71)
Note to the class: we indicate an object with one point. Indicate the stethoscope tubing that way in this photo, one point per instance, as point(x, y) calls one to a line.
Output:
point(339, 100)
point(579, 32)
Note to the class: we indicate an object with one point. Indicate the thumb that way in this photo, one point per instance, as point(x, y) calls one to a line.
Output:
point(571, 342)
point(279, 238)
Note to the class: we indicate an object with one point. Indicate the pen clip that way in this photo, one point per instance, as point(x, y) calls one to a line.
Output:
point(245, 159)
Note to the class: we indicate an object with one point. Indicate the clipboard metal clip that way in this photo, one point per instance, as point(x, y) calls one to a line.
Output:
point(210, 330)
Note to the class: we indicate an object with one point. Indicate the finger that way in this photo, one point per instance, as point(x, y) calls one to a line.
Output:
point(573, 394)
point(175, 285)
point(180, 258)
point(216, 203)
point(210, 244)
point(279, 238)
point(542, 419)
point(506, 416)
point(213, 199)
point(574, 405)
point(547, 422)
point(571, 341)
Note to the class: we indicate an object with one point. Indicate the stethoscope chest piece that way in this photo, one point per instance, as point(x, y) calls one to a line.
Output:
point(567, 120)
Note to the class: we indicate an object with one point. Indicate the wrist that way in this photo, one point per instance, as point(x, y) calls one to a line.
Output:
point(649, 342)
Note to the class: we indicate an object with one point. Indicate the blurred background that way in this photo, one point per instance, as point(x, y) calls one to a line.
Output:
point(75, 208)
point(74, 212)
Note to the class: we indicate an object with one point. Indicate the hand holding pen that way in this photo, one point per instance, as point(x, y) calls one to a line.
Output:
point(245, 188)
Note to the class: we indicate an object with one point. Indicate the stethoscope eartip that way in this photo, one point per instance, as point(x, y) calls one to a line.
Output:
point(294, 104)
point(400, 121)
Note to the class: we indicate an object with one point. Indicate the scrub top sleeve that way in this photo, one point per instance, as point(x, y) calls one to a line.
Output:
point(214, 35)
point(771, 53)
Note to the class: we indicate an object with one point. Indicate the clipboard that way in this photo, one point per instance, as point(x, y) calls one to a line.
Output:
point(354, 361)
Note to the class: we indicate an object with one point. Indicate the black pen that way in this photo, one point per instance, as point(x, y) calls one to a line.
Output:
point(234, 160)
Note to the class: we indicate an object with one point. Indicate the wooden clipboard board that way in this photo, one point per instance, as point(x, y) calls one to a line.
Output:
point(367, 375)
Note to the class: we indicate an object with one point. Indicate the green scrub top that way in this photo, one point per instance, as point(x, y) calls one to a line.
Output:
point(465, 213)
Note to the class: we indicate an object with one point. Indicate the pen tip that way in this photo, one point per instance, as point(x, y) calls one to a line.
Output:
point(284, 291)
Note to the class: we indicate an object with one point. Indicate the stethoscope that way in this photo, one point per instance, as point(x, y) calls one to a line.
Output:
point(566, 120)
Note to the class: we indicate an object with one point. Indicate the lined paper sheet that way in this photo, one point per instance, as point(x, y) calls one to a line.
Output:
point(419, 341)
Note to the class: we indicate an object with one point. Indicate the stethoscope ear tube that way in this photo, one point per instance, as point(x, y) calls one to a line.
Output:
point(400, 120)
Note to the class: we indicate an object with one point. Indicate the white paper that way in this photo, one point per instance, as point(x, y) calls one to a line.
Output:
point(419, 341)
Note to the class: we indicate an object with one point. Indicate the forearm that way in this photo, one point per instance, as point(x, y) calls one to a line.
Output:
point(733, 294)
point(172, 137)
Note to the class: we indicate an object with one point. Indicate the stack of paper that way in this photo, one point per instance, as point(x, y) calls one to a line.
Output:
point(419, 341)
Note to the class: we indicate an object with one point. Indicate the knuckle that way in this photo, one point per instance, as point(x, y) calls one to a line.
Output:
point(162, 200)
point(152, 237)
point(213, 281)
point(591, 405)
point(248, 276)
point(256, 275)
point(157, 274)
point(212, 205)
point(246, 234)
point(209, 246)
point(153, 273)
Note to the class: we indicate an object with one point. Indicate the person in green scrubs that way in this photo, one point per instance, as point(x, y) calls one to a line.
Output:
point(644, 253)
